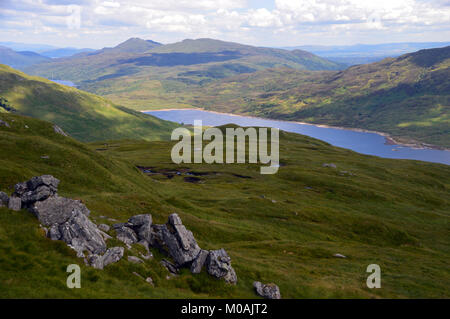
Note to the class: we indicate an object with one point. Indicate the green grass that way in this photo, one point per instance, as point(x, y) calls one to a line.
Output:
point(281, 228)
point(83, 115)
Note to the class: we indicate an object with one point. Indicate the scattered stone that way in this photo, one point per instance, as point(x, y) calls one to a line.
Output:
point(104, 227)
point(149, 280)
point(136, 274)
point(45, 157)
point(197, 264)
point(112, 255)
point(135, 260)
point(170, 267)
point(331, 165)
point(269, 291)
point(339, 256)
point(218, 264)
point(3, 123)
point(4, 199)
point(15, 203)
point(59, 130)
point(146, 257)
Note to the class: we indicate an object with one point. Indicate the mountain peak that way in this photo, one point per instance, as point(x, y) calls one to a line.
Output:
point(136, 45)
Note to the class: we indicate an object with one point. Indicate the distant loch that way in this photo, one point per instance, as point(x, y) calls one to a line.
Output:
point(359, 141)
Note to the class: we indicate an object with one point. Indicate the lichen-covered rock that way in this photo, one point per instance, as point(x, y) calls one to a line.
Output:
point(82, 234)
point(125, 234)
point(174, 238)
point(57, 210)
point(104, 227)
point(15, 203)
point(142, 226)
point(269, 291)
point(112, 255)
point(218, 264)
point(36, 189)
point(4, 199)
point(199, 262)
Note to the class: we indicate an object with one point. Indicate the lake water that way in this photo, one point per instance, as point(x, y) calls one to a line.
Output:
point(361, 142)
point(64, 82)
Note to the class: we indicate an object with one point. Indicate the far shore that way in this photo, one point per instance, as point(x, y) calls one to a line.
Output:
point(389, 139)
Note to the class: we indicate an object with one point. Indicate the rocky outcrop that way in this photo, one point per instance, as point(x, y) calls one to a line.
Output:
point(269, 291)
point(174, 238)
point(218, 264)
point(59, 130)
point(68, 220)
point(4, 199)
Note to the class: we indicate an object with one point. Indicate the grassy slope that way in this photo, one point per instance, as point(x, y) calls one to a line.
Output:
point(407, 97)
point(281, 228)
point(83, 115)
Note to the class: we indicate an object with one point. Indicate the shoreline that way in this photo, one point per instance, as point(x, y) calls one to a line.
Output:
point(389, 139)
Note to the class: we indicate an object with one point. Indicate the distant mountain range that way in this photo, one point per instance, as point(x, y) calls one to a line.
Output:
point(20, 59)
point(366, 53)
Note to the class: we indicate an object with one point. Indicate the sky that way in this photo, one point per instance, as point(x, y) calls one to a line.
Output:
point(275, 23)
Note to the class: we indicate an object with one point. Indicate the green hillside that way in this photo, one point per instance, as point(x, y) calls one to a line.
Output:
point(282, 228)
point(144, 75)
point(83, 115)
point(407, 97)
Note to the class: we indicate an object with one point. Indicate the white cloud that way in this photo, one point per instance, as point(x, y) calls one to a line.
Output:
point(287, 22)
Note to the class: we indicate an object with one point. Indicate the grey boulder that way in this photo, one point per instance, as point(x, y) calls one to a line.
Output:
point(174, 238)
point(142, 226)
point(15, 203)
point(57, 210)
point(269, 291)
point(218, 264)
point(4, 199)
point(79, 233)
point(125, 234)
point(112, 255)
point(199, 262)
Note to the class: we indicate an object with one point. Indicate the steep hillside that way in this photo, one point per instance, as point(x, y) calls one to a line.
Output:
point(407, 97)
point(20, 59)
point(282, 228)
point(151, 75)
point(83, 115)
